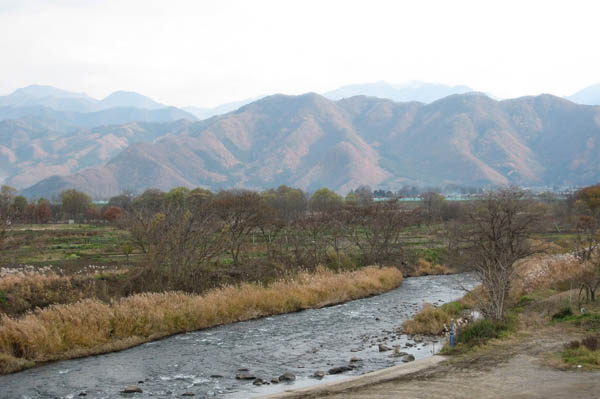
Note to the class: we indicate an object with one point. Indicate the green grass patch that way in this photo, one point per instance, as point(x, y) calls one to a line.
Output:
point(581, 356)
point(584, 353)
point(588, 321)
point(562, 314)
point(525, 300)
point(483, 330)
point(454, 308)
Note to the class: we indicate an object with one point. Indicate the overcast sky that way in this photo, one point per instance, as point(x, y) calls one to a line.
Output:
point(208, 52)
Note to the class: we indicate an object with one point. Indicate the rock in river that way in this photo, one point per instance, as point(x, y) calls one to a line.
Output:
point(384, 348)
point(319, 374)
point(338, 370)
point(244, 375)
point(287, 377)
point(132, 389)
point(408, 358)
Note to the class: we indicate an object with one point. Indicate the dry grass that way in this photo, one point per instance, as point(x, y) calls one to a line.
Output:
point(25, 291)
point(433, 320)
point(91, 327)
point(429, 321)
point(544, 271)
point(425, 268)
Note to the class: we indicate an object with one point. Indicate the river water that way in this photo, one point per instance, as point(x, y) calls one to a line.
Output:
point(206, 362)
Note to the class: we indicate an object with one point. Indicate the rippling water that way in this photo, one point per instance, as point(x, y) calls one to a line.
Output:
point(206, 362)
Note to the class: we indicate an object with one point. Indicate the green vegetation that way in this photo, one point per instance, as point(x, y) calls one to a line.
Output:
point(433, 320)
point(563, 313)
point(481, 331)
point(583, 353)
point(588, 321)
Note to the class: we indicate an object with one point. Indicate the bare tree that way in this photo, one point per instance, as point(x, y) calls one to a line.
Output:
point(497, 235)
point(337, 235)
point(376, 229)
point(241, 213)
point(587, 205)
point(177, 243)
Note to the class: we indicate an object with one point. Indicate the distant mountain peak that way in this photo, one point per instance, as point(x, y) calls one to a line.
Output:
point(412, 91)
point(588, 96)
point(123, 98)
point(41, 91)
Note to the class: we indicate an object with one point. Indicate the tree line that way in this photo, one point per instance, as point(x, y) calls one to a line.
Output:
point(185, 234)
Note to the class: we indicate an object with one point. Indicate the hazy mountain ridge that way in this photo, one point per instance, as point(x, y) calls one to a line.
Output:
point(414, 91)
point(205, 113)
point(309, 141)
point(62, 100)
point(33, 148)
point(589, 95)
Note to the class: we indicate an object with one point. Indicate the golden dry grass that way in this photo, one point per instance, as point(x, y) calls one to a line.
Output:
point(91, 327)
point(430, 321)
point(26, 291)
point(425, 268)
point(544, 271)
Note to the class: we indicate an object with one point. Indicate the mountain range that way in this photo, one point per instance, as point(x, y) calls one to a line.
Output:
point(61, 139)
point(78, 110)
point(310, 141)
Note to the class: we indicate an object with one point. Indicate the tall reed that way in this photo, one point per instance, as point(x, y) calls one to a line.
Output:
point(91, 326)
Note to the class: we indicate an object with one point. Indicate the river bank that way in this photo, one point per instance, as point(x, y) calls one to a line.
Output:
point(91, 327)
point(525, 365)
point(206, 362)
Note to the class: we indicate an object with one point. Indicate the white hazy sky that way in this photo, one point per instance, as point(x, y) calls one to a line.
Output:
point(208, 52)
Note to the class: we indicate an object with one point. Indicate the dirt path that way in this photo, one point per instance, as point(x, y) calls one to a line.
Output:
point(520, 367)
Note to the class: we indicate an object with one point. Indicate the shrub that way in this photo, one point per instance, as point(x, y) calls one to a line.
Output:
point(481, 331)
point(425, 268)
point(581, 356)
point(591, 342)
point(563, 313)
point(430, 321)
point(525, 300)
point(572, 345)
point(454, 308)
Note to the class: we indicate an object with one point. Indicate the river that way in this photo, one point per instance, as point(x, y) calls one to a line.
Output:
point(206, 362)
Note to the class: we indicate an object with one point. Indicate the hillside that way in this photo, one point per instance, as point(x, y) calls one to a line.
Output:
point(33, 148)
point(310, 142)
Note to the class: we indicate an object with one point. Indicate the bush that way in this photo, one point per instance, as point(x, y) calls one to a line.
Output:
point(426, 268)
point(525, 300)
point(591, 342)
point(481, 331)
point(572, 345)
point(430, 321)
point(454, 308)
point(581, 356)
point(563, 313)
